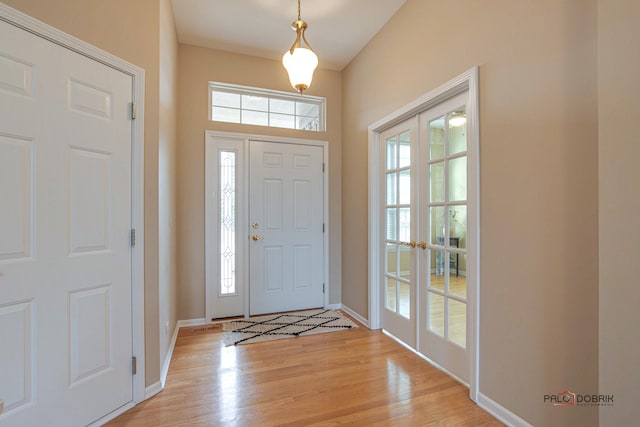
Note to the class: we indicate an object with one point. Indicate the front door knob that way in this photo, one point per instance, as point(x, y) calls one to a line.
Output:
point(256, 237)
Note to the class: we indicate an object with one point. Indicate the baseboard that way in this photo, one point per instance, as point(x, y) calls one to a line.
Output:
point(190, 322)
point(167, 359)
point(500, 412)
point(333, 306)
point(355, 315)
point(152, 390)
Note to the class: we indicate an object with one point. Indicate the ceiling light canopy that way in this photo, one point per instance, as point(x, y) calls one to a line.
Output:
point(299, 61)
point(457, 119)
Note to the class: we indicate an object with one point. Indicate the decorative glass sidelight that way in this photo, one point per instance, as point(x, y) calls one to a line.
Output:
point(228, 222)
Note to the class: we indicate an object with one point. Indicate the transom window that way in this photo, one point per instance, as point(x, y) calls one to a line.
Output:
point(264, 107)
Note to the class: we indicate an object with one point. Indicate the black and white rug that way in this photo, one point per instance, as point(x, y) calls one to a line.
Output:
point(285, 325)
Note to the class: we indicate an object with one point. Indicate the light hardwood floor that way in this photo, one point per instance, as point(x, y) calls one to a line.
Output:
point(356, 377)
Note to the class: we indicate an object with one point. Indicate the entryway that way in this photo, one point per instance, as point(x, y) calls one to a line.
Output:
point(424, 226)
point(68, 271)
point(266, 227)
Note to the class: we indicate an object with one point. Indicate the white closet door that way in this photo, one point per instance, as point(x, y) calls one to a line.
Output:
point(65, 219)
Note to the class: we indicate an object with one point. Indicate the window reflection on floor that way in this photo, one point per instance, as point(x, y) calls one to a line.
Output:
point(228, 383)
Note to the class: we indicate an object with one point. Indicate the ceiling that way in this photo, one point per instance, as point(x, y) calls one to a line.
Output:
point(338, 29)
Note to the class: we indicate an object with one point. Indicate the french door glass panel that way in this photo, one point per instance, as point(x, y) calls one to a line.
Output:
point(447, 163)
point(398, 296)
point(443, 207)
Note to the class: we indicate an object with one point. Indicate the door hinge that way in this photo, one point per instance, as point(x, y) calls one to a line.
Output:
point(323, 288)
point(134, 110)
point(323, 227)
point(134, 365)
point(322, 166)
point(133, 237)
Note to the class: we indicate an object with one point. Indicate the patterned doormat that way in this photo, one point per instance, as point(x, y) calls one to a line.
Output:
point(285, 325)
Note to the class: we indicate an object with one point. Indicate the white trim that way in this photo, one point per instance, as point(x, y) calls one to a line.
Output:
point(244, 222)
point(500, 412)
point(152, 390)
point(337, 306)
point(467, 81)
point(39, 28)
point(355, 315)
point(167, 359)
point(190, 322)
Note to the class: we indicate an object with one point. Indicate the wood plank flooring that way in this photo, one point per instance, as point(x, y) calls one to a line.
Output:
point(356, 377)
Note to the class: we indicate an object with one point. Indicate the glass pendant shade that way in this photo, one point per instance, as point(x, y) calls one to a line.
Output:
point(300, 65)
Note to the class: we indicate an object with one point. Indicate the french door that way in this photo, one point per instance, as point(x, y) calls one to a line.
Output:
point(398, 288)
point(425, 243)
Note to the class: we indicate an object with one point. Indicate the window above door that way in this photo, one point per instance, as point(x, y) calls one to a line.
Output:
point(264, 107)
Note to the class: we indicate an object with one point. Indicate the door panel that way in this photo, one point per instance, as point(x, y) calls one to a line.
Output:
point(65, 257)
point(443, 229)
point(286, 207)
point(398, 312)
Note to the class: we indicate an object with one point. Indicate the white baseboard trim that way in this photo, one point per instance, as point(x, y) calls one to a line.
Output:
point(190, 322)
point(355, 315)
point(333, 306)
point(500, 412)
point(152, 390)
point(167, 359)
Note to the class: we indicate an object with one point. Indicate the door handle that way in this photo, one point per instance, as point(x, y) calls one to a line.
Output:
point(256, 237)
point(422, 245)
point(411, 244)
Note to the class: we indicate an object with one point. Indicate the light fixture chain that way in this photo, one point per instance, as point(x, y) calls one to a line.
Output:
point(298, 10)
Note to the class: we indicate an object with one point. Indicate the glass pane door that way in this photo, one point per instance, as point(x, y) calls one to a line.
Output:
point(398, 295)
point(443, 234)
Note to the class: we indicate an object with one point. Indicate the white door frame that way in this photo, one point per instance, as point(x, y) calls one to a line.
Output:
point(465, 81)
point(211, 202)
point(32, 25)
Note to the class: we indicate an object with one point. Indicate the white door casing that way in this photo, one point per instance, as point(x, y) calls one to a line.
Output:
point(286, 245)
point(220, 305)
point(465, 82)
point(66, 263)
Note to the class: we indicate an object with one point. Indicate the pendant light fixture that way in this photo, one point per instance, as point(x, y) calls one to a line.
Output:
point(299, 61)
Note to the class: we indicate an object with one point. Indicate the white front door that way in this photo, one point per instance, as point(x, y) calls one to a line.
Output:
point(65, 220)
point(286, 216)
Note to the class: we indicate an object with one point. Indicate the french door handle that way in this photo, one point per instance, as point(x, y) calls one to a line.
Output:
point(422, 245)
point(411, 244)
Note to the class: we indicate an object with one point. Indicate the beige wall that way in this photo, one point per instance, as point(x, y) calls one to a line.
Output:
point(129, 30)
point(198, 66)
point(619, 153)
point(539, 177)
point(167, 200)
